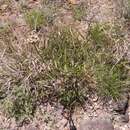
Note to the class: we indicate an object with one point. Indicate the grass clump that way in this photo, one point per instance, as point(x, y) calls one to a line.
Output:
point(79, 11)
point(110, 82)
point(20, 105)
point(127, 10)
point(65, 51)
point(97, 34)
point(109, 74)
point(63, 71)
point(35, 19)
point(67, 56)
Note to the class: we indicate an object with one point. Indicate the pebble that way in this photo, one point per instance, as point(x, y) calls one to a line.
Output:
point(95, 99)
point(4, 7)
point(96, 124)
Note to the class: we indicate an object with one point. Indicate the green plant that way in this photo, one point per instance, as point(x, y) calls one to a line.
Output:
point(66, 51)
point(73, 92)
point(108, 74)
point(63, 71)
point(98, 35)
point(68, 60)
point(79, 11)
point(127, 10)
point(35, 19)
point(21, 104)
point(109, 82)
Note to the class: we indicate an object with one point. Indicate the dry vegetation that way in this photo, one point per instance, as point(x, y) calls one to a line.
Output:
point(60, 67)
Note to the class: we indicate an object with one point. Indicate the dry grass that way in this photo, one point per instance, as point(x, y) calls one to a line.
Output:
point(64, 70)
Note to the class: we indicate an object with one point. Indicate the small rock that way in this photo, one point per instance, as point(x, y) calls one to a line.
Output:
point(4, 7)
point(32, 128)
point(95, 99)
point(96, 124)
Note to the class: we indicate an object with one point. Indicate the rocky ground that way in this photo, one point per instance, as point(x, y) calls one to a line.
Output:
point(99, 114)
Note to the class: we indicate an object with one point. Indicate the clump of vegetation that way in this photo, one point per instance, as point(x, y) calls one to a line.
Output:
point(79, 11)
point(35, 19)
point(110, 82)
point(127, 10)
point(109, 75)
point(38, 18)
point(65, 51)
point(20, 104)
point(68, 58)
point(63, 71)
point(97, 34)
